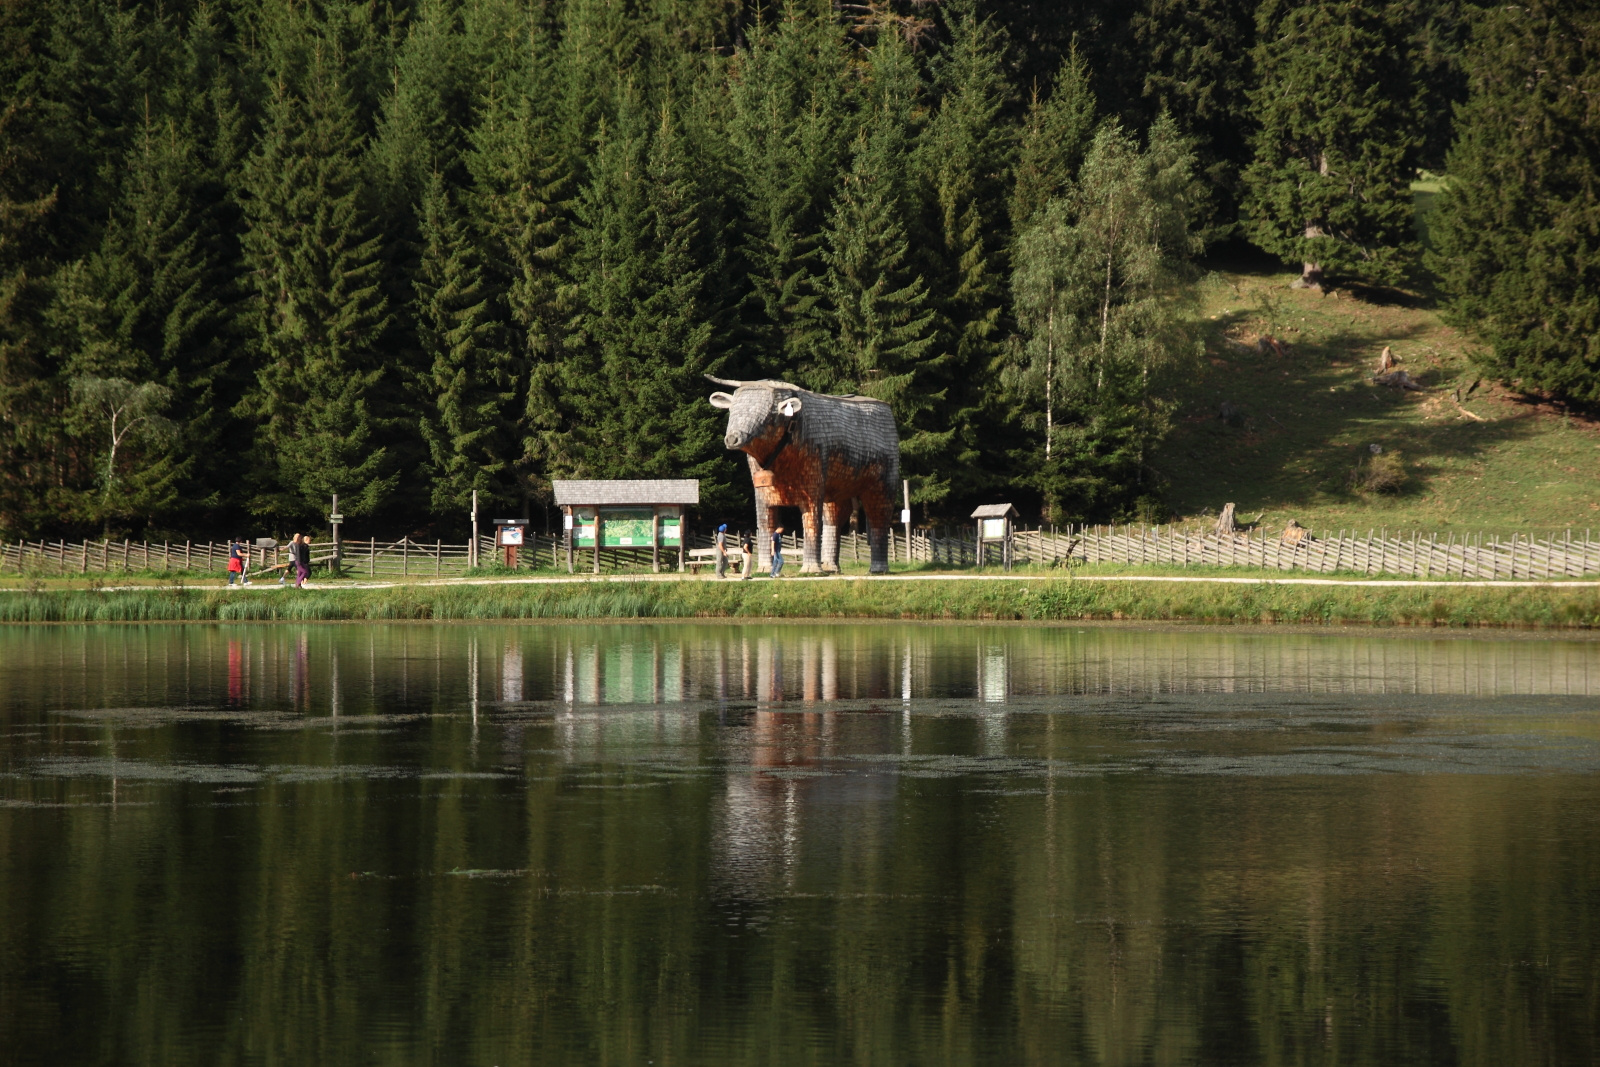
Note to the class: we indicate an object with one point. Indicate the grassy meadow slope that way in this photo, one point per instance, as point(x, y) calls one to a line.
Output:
point(1307, 417)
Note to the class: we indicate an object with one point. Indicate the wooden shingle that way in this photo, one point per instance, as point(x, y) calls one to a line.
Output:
point(626, 491)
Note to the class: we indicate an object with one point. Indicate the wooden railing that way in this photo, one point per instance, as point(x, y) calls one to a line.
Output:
point(1415, 555)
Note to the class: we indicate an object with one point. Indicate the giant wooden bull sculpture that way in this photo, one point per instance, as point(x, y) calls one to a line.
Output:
point(825, 455)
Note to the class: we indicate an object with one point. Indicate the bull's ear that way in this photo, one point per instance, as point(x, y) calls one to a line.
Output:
point(790, 407)
point(721, 400)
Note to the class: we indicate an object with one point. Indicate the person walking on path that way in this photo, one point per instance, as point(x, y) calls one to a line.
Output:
point(302, 569)
point(235, 560)
point(722, 550)
point(777, 551)
point(283, 575)
point(747, 547)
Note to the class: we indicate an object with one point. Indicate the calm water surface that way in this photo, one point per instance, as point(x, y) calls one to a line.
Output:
point(796, 844)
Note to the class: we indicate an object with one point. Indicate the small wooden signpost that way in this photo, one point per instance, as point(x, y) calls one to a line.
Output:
point(994, 527)
point(335, 520)
point(508, 535)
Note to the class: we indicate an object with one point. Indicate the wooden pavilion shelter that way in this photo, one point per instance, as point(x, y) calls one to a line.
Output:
point(629, 519)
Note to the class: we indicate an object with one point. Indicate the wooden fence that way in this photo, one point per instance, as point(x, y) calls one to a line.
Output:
point(1412, 555)
point(1415, 555)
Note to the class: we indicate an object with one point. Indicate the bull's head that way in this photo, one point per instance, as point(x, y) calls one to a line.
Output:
point(758, 414)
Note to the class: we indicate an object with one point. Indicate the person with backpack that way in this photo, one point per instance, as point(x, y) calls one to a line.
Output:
point(236, 561)
point(747, 548)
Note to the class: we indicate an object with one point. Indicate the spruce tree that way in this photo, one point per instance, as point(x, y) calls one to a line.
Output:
point(1055, 135)
point(1336, 144)
point(886, 335)
point(644, 333)
point(150, 306)
point(316, 261)
point(468, 423)
point(426, 113)
point(29, 395)
point(1196, 60)
point(521, 203)
point(790, 135)
point(1516, 228)
point(964, 159)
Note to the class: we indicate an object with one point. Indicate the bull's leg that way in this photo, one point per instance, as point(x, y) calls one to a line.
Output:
point(832, 513)
point(878, 515)
point(811, 550)
point(763, 519)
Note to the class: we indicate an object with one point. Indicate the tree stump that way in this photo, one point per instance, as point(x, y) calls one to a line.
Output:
point(1226, 527)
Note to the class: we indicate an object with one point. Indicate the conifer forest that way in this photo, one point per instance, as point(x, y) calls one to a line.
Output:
point(254, 253)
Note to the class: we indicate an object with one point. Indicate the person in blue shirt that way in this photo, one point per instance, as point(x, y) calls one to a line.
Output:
point(777, 551)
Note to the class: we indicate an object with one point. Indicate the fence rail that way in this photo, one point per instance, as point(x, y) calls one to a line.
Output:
point(1416, 555)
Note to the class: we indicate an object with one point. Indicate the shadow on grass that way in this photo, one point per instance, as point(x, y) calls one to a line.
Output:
point(1299, 423)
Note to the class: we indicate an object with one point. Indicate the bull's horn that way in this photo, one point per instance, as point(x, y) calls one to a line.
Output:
point(722, 381)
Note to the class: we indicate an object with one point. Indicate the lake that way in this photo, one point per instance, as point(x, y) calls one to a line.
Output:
point(794, 844)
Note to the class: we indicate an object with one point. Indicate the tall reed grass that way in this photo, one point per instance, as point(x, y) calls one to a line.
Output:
point(864, 599)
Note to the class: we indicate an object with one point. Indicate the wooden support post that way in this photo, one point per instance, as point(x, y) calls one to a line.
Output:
point(655, 540)
point(598, 523)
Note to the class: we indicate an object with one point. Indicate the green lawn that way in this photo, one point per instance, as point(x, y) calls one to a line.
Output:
point(1309, 416)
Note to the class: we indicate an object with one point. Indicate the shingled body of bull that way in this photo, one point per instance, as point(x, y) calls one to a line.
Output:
point(826, 455)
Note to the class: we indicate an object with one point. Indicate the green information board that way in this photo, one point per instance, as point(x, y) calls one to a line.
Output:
point(626, 527)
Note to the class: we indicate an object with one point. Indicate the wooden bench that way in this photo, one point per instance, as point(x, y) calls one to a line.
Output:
point(707, 557)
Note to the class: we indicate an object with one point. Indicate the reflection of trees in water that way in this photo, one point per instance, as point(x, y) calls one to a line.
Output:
point(713, 881)
point(271, 667)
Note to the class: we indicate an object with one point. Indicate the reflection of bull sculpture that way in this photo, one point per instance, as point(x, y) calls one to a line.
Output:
point(825, 455)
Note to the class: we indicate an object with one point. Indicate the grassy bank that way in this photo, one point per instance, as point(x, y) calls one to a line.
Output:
point(1306, 417)
point(876, 599)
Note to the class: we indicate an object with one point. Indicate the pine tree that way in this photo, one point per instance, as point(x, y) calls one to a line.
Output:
point(886, 336)
point(1516, 227)
point(964, 160)
point(316, 262)
point(790, 135)
point(427, 111)
point(150, 306)
point(1196, 58)
point(645, 328)
point(521, 183)
point(1337, 141)
point(1054, 137)
point(470, 436)
point(29, 401)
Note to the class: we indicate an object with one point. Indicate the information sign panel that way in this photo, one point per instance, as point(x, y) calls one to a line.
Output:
point(625, 527)
point(510, 535)
point(671, 527)
point(992, 529)
point(583, 527)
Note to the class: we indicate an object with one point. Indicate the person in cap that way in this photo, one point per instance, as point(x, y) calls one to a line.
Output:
point(722, 550)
